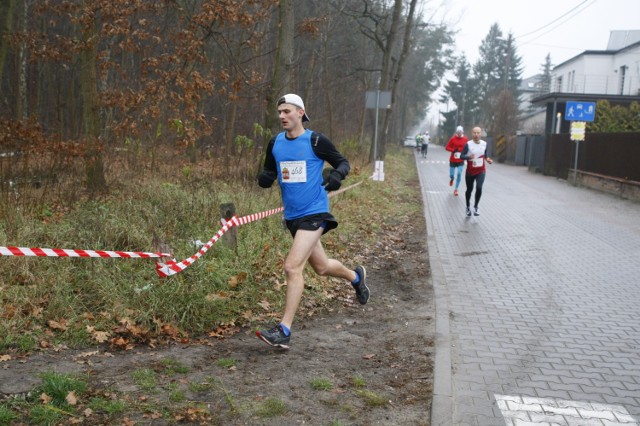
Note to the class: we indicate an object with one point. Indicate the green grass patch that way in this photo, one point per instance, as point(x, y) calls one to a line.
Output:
point(200, 386)
point(175, 393)
point(171, 367)
point(271, 407)
point(58, 386)
point(226, 362)
point(371, 398)
point(146, 379)
point(107, 406)
point(7, 416)
point(358, 381)
point(321, 383)
point(46, 415)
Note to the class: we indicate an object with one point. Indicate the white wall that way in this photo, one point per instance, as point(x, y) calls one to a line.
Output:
point(599, 73)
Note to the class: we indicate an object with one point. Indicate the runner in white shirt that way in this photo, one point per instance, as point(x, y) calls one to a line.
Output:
point(475, 152)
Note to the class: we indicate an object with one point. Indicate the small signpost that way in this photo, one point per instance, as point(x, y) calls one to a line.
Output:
point(579, 113)
point(377, 100)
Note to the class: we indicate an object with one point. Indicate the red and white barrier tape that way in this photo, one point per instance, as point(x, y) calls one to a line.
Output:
point(49, 252)
point(165, 269)
point(171, 267)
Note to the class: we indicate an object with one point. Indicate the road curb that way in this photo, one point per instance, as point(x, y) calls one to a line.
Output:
point(442, 403)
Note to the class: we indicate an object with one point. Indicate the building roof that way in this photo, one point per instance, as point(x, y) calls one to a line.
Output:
point(587, 97)
point(619, 39)
point(630, 39)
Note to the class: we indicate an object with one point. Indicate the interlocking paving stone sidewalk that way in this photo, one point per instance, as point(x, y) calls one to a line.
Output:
point(542, 292)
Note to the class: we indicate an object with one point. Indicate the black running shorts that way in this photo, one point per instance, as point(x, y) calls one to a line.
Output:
point(312, 223)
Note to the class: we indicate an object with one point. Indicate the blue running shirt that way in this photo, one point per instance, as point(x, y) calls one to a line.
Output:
point(300, 176)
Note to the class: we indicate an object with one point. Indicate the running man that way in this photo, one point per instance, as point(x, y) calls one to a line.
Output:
point(425, 144)
point(296, 157)
point(475, 152)
point(456, 164)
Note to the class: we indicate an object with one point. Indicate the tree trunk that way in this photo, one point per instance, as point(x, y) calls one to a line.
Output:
point(385, 77)
point(91, 113)
point(7, 9)
point(396, 74)
point(283, 63)
point(21, 101)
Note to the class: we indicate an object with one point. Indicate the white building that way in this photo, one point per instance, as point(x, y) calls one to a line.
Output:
point(615, 71)
point(612, 74)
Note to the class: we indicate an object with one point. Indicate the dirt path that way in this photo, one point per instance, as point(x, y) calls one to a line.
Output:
point(354, 365)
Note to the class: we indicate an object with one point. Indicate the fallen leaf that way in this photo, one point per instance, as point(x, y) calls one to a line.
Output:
point(237, 279)
point(45, 398)
point(88, 412)
point(368, 356)
point(128, 422)
point(71, 398)
point(86, 354)
point(100, 336)
point(55, 325)
point(265, 305)
point(216, 296)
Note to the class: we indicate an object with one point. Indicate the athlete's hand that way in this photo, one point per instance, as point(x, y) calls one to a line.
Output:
point(333, 181)
point(489, 160)
point(266, 178)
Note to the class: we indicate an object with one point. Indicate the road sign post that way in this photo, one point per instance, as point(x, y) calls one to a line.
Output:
point(377, 100)
point(578, 129)
point(579, 113)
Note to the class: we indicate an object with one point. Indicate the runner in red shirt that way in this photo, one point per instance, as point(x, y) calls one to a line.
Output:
point(456, 164)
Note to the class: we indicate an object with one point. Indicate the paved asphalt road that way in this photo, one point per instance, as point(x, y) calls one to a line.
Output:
point(537, 301)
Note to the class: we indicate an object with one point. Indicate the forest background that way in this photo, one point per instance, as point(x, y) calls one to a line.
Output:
point(94, 87)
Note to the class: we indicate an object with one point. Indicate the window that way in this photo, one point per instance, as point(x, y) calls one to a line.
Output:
point(559, 84)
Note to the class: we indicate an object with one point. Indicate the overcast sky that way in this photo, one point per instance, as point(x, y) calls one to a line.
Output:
point(562, 28)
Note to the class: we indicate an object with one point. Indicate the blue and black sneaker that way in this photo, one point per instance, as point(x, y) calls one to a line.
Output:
point(362, 291)
point(275, 337)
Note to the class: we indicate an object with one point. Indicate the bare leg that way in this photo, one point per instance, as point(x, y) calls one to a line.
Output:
point(303, 244)
point(329, 267)
point(307, 247)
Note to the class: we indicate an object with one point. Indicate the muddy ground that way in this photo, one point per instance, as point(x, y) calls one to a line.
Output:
point(353, 365)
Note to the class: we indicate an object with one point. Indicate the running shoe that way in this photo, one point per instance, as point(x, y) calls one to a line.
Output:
point(468, 211)
point(455, 192)
point(274, 337)
point(476, 212)
point(451, 182)
point(362, 291)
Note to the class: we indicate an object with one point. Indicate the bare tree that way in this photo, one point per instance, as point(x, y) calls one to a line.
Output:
point(283, 62)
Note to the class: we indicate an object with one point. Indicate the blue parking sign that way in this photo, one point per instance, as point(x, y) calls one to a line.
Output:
point(580, 111)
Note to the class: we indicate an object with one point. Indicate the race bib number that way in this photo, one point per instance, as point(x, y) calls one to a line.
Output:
point(456, 155)
point(293, 171)
point(478, 162)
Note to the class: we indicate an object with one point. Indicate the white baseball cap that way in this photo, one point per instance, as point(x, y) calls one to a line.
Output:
point(459, 129)
point(294, 100)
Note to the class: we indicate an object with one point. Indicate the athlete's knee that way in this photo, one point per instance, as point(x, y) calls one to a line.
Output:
point(292, 268)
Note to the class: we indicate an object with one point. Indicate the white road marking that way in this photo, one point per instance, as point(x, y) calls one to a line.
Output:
point(524, 410)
